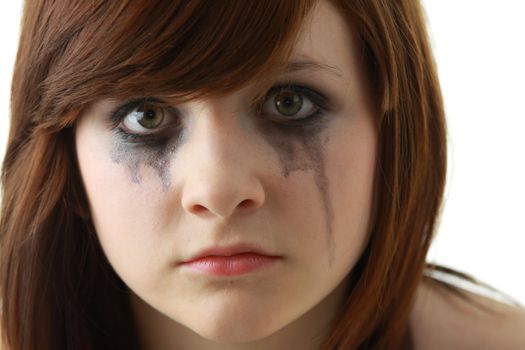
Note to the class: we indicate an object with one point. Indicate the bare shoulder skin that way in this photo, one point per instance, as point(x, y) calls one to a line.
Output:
point(441, 320)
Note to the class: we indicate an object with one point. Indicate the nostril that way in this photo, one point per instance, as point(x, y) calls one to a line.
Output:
point(222, 201)
point(247, 204)
point(198, 209)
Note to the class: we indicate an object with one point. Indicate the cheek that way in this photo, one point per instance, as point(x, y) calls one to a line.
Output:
point(352, 159)
point(125, 214)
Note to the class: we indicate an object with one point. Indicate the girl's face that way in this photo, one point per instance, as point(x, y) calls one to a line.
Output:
point(294, 179)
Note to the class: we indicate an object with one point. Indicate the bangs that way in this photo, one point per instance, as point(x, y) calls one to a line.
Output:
point(181, 49)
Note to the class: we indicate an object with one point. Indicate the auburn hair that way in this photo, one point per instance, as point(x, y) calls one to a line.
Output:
point(57, 288)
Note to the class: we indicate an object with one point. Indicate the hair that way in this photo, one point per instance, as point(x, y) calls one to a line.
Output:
point(59, 290)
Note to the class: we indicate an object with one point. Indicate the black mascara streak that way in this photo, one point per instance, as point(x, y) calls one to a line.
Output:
point(285, 144)
point(157, 155)
point(285, 141)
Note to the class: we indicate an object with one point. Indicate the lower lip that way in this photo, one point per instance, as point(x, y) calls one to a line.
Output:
point(231, 265)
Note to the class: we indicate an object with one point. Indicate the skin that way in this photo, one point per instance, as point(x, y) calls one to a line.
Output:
point(302, 193)
point(442, 320)
point(226, 176)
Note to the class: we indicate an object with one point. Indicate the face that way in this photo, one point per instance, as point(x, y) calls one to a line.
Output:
point(294, 178)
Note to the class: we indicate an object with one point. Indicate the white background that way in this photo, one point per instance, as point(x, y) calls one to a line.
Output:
point(480, 51)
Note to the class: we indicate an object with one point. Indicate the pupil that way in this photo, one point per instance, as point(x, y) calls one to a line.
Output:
point(151, 116)
point(289, 103)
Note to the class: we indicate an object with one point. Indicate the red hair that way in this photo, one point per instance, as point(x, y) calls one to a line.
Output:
point(57, 287)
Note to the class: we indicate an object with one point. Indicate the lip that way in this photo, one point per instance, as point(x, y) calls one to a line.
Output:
point(230, 260)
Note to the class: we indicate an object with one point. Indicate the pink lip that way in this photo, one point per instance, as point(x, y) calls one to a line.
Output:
point(231, 260)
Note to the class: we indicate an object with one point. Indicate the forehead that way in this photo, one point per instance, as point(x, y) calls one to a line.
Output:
point(327, 38)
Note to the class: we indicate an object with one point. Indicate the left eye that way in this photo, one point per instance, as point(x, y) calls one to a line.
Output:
point(292, 103)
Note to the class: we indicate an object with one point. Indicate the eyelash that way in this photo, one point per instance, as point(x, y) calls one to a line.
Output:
point(319, 101)
point(321, 105)
point(123, 110)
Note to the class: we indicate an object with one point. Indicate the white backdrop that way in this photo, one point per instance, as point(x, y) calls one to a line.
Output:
point(480, 51)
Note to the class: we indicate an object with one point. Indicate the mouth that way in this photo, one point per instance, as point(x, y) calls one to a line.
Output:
point(231, 260)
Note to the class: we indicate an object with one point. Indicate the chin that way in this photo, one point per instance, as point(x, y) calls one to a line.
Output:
point(233, 335)
point(236, 325)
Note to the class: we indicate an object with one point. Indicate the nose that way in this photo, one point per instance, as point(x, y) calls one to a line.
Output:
point(222, 167)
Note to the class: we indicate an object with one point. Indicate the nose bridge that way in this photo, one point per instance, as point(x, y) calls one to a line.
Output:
point(221, 175)
point(218, 131)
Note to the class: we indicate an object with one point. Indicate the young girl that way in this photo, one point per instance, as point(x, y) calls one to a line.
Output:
point(229, 175)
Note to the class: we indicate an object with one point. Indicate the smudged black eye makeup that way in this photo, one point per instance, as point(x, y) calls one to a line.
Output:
point(291, 104)
point(150, 119)
point(143, 120)
point(292, 119)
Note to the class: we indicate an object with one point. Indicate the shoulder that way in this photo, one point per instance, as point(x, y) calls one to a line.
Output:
point(442, 320)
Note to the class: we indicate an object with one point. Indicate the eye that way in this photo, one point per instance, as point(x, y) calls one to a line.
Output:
point(144, 118)
point(293, 103)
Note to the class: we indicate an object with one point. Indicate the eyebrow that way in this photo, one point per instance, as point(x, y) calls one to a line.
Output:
point(294, 66)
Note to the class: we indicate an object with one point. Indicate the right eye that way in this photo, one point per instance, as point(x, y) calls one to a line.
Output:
point(144, 118)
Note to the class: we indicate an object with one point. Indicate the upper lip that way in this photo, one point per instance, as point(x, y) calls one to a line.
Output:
point(230, 250)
